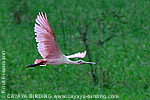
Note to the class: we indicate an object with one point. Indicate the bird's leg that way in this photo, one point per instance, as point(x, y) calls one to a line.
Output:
point(34, 65)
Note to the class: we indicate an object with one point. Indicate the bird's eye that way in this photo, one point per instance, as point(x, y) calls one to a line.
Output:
point(79, 61)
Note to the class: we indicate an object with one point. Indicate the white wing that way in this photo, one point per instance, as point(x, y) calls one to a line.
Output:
point(77, 55)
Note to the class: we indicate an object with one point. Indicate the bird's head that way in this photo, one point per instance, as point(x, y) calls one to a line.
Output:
point(84, 62)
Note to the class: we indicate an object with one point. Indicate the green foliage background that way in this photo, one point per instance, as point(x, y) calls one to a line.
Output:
point(123, 66)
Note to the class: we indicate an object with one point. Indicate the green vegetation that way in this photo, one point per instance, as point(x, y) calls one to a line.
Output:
point(123, 61)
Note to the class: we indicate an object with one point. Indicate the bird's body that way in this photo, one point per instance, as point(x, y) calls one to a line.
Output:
point(57, 61)
point(48, 47)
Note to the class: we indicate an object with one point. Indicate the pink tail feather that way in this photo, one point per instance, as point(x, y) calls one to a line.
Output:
point(38, 61)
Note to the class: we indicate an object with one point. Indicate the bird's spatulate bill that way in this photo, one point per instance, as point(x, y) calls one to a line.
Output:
point(89, 62)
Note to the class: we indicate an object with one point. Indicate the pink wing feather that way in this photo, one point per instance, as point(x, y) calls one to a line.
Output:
point(47, 46)
point(77, 55)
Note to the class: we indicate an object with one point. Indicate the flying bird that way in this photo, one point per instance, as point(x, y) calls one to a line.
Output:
point(48, 47)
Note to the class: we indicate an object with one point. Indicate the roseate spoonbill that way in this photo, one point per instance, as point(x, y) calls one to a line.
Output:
point(48, 47)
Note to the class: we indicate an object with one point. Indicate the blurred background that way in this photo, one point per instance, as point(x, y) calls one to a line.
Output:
point(115, 34)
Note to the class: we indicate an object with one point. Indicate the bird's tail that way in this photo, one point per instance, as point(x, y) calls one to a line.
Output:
point(38, 62)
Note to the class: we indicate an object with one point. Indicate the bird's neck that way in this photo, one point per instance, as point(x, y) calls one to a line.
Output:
point(67, 61)
point(73, 62)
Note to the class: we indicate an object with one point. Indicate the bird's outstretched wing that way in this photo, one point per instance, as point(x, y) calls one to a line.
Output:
point(77, 55)
point(47, 46)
